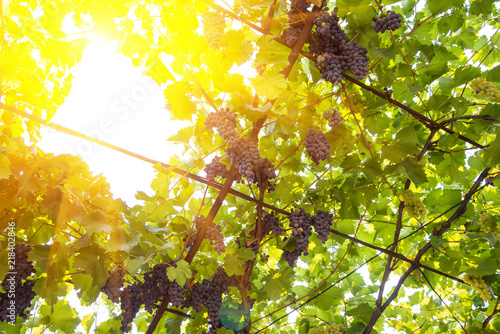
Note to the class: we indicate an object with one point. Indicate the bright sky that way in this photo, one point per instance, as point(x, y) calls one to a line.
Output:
point(111, 100)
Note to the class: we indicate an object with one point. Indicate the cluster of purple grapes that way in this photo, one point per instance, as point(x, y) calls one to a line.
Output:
point(334, 117)
point(215, 169)
point(300, 222)
point(209, 293)
point(114, 284)
point(291, 35)
point(322, 223)
point(334, 54)
point(213, 234)
point(317, 146)
point(148, 293)
point(390, 21)
point(244, 155)
point(271, 224)
point(225, 122)
point(15, 288)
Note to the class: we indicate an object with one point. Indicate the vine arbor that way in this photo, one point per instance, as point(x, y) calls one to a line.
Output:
point(346, 183)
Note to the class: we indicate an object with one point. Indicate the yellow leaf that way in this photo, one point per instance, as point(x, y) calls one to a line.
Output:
point(270, 85)
point(4, 167)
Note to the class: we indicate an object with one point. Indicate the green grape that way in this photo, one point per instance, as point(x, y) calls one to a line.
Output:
point(483, 219)
point(478, 284)
point(486, 89)
point(416, 274)
point(413, 205)
point(354, 102)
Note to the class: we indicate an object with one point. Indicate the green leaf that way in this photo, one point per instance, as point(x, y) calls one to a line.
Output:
point(91, 260)
point(363, 312)
point(180, 274)
point(492, 153)
point(465, 74)
point(63, 317)
point(389, 52)
point(494, 74)
point(436, 241)
point(485, 267)
point(413, 170)
point(95, 222)
point(233, 265)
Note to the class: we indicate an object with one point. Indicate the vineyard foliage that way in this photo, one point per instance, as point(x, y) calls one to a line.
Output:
point(348, 175)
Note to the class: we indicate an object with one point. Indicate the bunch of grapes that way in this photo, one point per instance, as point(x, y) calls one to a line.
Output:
point(334, 117)
point(130, 303)
point(486, 89)
point(215, 169)
point(148, 293)
point(483, 219)
point(389, 21)
point(301, 223)
point(176, 293)
point(322, 223)
point(23, 268)
point(353, 101)
point(329, 329)
point(271, 224)
point(417, 275)
point(15, 288)
point(213, 234)
point(209, 293)
point(413, 205)
point(225, 123)
point(334, 54)
point(317, 146)
point(24, 294)
point(291, 35)
point(114, 284)
point(478, 284)
point(214, 25)
point(244, 156)
point(290, 257)
point(154, 287)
